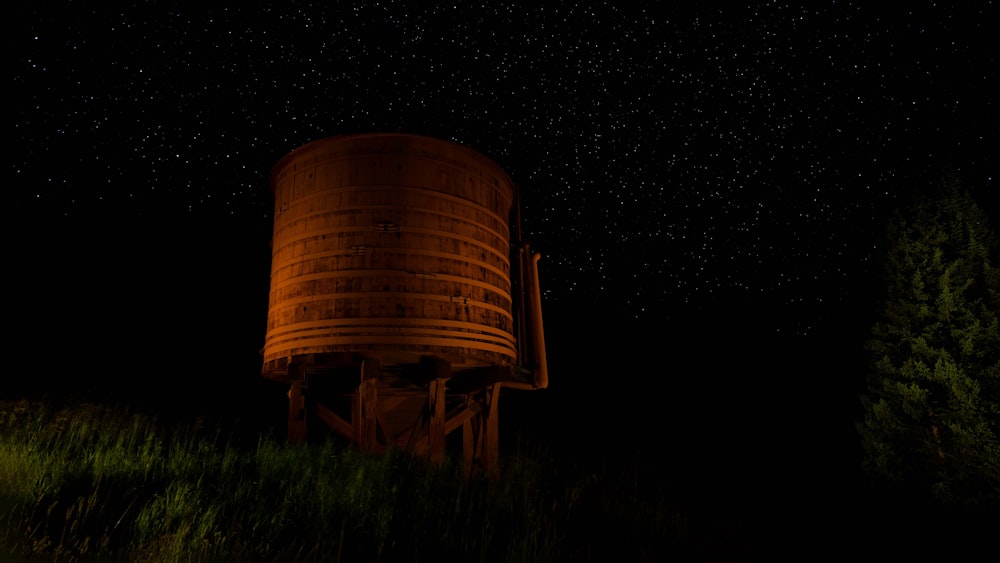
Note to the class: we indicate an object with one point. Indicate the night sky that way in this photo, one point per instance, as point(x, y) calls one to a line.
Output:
point(708, 185)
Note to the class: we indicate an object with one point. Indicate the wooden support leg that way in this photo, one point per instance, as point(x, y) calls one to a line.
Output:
point(436, 428)
point(365, 409)
point(481, 435)
point(491, 431)
point(440, 372)
point(297, 430)
point(469, 441)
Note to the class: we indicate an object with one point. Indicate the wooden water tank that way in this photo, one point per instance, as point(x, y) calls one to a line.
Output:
point(394, 246)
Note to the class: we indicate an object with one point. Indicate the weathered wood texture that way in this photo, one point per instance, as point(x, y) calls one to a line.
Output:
point(392, 312)
point(389, 243)
point(378, 414)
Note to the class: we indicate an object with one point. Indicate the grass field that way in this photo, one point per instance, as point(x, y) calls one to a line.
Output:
point(90, 481)
point(86, 481)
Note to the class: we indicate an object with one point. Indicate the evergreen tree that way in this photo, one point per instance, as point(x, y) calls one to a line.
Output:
point(932, 406)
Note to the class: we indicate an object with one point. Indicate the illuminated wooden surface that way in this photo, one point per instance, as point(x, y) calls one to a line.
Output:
point(392, 313)
point(391, 243)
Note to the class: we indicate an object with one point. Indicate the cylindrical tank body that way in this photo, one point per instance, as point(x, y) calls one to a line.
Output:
point(387, 244)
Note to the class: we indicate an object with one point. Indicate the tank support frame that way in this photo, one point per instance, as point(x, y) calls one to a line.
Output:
point(414, 407)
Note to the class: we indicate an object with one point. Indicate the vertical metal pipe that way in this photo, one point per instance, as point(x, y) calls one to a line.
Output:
point(536, 329)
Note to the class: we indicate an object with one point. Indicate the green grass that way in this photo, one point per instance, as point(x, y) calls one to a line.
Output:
point(90, 482)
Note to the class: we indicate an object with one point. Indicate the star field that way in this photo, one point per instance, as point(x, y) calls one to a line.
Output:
point(669, 156)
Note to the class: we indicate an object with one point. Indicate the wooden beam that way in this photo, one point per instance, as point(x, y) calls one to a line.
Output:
point(490, 433)
point(386, 438)
point(336, 423)
point(456, 418)
point(297, 429)
point(460, 416)
point(480, 436)
point(469, 441)
point(435, 430)
point(440, 373)
point(364, 413)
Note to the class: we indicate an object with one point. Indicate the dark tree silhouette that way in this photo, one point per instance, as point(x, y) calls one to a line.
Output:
point(932, 406)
